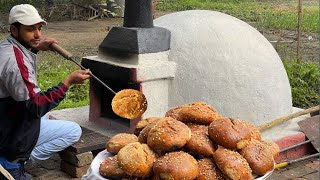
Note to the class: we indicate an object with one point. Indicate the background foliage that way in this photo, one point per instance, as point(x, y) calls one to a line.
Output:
point(304, 79)
point(266, 13)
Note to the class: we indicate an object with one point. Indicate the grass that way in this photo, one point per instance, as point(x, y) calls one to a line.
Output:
point(53, 69)
point(267, 14)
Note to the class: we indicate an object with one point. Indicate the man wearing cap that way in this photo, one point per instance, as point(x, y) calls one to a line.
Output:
point(26, 133)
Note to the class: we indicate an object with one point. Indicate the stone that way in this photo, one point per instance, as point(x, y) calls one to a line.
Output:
point(73, 171)
point(50, 164)
point(136, 40)
point(138, 13)
point(314, 176)
point(77, 160)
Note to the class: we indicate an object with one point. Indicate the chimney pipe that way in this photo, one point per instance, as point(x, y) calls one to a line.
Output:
point(138, 13)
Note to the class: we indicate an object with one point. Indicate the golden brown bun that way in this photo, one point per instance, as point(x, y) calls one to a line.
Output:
point(176, 165)
point(167, 135)
point(200, 143)
point(109, 168)
point(273, 147)
point(143, 123)
point(232, 164)
point(197, 112)
point(173, 112)
point(143, 136)
point(136, 159)
point(258, 156)
point(254, 132)
point(230, 133)
point(209, 170)
point(119, 141)
point(129, 103)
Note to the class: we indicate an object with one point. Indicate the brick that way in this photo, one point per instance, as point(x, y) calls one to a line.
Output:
point(77, 160)
point(306, 169)
point(297, 152)
point(299, 172)
point(312, 176)
point(313, 165)
point(277, 176)
point(73, 171)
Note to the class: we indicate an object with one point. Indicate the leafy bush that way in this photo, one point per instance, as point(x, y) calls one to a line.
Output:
point(304, 79)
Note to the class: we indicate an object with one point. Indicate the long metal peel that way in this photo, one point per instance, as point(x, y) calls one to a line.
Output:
point(69, 56)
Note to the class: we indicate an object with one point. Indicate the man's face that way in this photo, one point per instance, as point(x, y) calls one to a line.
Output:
point(28, 36)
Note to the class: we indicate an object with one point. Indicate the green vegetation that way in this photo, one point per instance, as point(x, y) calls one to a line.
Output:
point(267, 14)
point(2, 36)
point(52, 69)
point(304, 79)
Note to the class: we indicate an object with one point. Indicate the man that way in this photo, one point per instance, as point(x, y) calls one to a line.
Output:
point(26, 133)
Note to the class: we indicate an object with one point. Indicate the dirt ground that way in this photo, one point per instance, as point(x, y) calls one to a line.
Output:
point(82, 38)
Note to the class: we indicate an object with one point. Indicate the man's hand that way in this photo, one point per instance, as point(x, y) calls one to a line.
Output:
point(77, 77)
point(45, 44)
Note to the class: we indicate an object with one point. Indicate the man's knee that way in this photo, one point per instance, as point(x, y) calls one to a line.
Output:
point(75, 132)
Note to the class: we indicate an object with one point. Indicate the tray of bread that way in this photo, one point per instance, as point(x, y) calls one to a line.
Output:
point(192, 141)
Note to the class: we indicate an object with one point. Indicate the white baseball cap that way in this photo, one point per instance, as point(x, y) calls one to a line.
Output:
point(25, 14)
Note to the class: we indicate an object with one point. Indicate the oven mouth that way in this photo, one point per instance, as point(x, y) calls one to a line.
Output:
point(106, 97)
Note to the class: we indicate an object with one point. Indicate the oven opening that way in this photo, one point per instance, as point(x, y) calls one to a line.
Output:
point(106, 97)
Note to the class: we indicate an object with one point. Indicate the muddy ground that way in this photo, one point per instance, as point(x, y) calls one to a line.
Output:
point(82, 38)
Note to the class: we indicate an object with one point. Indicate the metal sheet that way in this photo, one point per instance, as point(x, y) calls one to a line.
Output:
point(310, 127)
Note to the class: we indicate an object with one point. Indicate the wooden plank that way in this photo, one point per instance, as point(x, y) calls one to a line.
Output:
point(86, 131)
point(4, 174)
point(89, 141)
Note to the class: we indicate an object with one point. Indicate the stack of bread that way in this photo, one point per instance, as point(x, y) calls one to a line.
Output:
point(192, 141)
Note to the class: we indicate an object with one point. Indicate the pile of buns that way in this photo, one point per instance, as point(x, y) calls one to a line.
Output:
point(192, 141)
